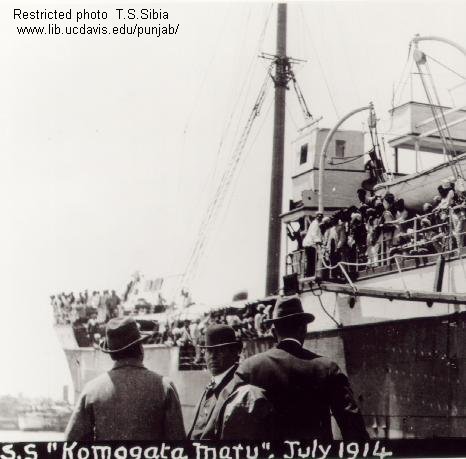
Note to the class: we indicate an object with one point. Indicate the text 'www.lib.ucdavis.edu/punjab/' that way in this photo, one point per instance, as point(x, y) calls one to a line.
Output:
point(129, 22)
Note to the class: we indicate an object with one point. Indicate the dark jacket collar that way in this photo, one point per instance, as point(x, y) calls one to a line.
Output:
point(130, 362)
point(291, 346)
point(296, 350)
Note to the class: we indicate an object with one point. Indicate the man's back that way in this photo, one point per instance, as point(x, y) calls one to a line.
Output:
point(304, 387)
point(129, 402)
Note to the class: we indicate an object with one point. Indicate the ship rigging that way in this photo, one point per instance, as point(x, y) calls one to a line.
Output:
point(283, 75)
point(387, 347)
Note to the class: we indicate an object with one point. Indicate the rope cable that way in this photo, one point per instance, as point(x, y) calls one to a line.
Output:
point(346, 53)
point(224, 182)
point(402, 77)
point(317, 292)
point(222, 188)
point(445, 66)
point(319, 62)
point(435, 116)
point(242, 88)
point(291, 116)
point(241, 165)
point(456, 167)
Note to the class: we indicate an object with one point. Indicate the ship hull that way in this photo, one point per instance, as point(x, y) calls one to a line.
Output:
point(405, 360)
point(406, 375)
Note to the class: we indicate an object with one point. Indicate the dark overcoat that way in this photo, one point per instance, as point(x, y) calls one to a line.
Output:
point(305, 389)
point(236, 412)
point(129, 402)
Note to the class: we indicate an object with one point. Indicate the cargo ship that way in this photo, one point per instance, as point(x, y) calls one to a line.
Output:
point(395, 322)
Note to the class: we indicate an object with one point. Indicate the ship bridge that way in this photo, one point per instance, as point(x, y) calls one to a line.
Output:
point(344, 169)
point(344, 173)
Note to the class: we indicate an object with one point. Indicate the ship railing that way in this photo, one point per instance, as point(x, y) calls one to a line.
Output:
point(433, 240)
point(297, 262)
point(438, 238)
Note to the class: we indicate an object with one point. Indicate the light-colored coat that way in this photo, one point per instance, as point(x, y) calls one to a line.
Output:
point(128, 402)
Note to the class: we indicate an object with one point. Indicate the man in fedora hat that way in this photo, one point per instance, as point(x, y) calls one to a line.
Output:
point(129, 402)
point(228, 411)
point(303, 387)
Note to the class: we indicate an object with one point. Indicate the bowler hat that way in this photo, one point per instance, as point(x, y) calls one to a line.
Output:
point(220, 335)
point(120, 334)
point(289, 307)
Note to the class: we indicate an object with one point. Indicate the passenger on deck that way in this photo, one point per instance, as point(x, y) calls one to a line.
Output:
point(93, 328)
point(362, 196)
point(431, 241)
point(115, 303)
point(371, 238)
point(268, 311)
point(357, 237)
point(388, 226)
point(312, 243)
point(377, 233)
point(248, 329)
point(185, 338)
point(389, 202)
point(342, 238)
point(233, 319)
point(427, 208)
point(399, 235)
point(83, 298)
point(457, 220)
point(327, 233)
point(195, 332)
point(436, 202)
point(95, 299)
point(258, 319)
point(364, 199)
point(447, 196)
point(313, 236)
point(177, 330)
point(330, 245)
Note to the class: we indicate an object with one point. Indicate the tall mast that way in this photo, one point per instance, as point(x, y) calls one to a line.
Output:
point(276, 182)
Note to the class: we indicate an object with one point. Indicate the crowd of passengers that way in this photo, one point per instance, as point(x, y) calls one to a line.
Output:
point(248, 323)
point(379, 227)
point(88, 314)
point(85, 308)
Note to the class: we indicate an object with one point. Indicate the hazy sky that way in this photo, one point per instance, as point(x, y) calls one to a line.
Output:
point(111, 146)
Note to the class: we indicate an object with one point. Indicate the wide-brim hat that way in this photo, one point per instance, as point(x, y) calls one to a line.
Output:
point(219, 336)
point(289, 307)
point(120, 334)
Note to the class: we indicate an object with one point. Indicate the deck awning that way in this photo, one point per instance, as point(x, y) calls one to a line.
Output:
point(431, 144)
